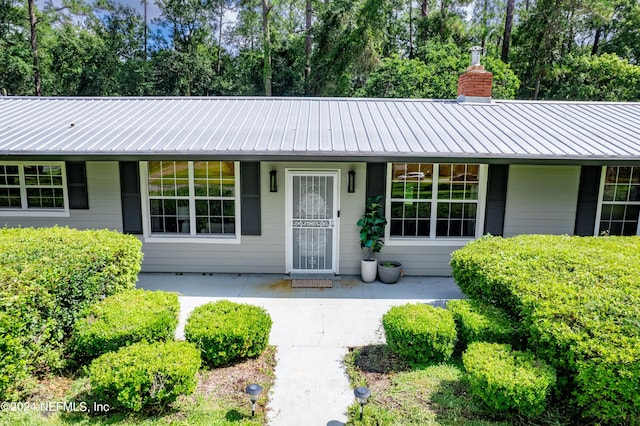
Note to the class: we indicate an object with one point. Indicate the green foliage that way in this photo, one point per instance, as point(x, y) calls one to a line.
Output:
point(225, 331)
point(397, 77)
point(507, 380)
point(578, 300)
point(434, 74)
point(122, 319)
point(145, 375)
point(596, 78)
point(48, 277)
point(372, 225)
point(480, 322)
point(419, 332)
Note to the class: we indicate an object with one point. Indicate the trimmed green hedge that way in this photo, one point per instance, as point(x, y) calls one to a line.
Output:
point(578, 299)
point(48, 276)
point(481, 322)
point(145, 375)
point(125, 318)
point(507, 380)
point(225, 331)
point(421, 333)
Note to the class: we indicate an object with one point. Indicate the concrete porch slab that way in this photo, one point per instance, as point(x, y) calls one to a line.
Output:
point(312, 329)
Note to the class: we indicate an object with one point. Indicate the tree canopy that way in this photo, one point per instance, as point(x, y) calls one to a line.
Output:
point(536, 49)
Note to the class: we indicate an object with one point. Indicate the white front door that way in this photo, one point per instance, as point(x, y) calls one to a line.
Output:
point(312, 210)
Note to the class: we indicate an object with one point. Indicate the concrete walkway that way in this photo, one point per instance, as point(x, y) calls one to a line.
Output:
point(312, 329)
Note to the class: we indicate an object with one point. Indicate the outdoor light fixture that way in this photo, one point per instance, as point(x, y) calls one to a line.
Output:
point(273, 181)
point(362, 396)
point(351, 181)
point(253, 390)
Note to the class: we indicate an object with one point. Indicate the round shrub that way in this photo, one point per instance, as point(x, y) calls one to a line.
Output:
point(145, 375)
point(481, 322)
point(226, 331)
point(421, 333)
point(508, 380)
point(123, 319)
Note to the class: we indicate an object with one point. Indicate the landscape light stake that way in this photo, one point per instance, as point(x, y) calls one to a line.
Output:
point(362, 396)
point(253, 390)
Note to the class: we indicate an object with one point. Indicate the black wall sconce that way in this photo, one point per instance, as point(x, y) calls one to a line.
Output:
point(351, 181)
point(273, 181)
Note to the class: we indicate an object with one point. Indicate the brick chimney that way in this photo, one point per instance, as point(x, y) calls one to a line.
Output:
point(475, 84)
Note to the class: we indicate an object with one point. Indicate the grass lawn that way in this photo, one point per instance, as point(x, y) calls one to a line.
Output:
point(423, 395)
point(219, 399)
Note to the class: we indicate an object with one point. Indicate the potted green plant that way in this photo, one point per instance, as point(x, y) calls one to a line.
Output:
point(371, 225)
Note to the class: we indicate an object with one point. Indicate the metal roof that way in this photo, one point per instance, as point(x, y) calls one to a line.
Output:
point(319, 127)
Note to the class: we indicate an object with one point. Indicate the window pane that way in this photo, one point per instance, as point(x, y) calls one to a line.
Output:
point(470, 211)
point(617, 212)
point(397, 209)
point(229, 208)
point(609, 192)
point(200, 169)
point(622, 192)
point(424, 228)
point(182, 187)
point(397, 189)
point(634, 193)
point(409, 228)
point(395, 227)
point(624, 174)
point(228, 170)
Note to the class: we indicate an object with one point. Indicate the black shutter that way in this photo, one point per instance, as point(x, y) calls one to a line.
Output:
point(77, 185)
point(588, 193)
point(496, 199)
point(250, 212)
point(377, 180)
point(131, 197)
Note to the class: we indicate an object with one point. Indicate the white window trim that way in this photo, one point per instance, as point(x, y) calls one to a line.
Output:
point(603, 178)
point(149, 237)
point(432, 240)
point(37, 212)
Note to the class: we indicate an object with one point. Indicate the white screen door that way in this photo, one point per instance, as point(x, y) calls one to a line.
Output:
point(312, 221)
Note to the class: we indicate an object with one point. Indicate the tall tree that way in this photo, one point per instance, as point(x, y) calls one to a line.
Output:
point(267, 71)
point(33, 21)
point(508, 27)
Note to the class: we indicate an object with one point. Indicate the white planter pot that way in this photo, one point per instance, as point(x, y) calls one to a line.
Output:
point(368, 270)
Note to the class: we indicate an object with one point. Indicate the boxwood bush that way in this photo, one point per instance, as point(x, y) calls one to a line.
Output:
point(507, 380)
point(145, 375)
point(578, 299)
point(225, 331)
point(48, 276)
point(477, 321)
point(125, 318)
point(420, 333)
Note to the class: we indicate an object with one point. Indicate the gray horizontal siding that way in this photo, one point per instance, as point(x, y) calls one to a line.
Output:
point(104, 203)
point(541, 200)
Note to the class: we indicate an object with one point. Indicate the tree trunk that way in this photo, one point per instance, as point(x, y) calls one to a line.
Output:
point(219, 63)
point(508, 26)
point(266, 43)
point(443, 15)
point(410, 29)
point(307, 47)
point(34, 46)
point(596, 41)
point(484, 25)
point(424, 10)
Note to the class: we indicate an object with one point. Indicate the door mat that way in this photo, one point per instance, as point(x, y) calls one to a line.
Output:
point(314, 283)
